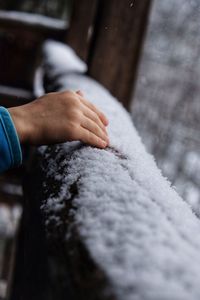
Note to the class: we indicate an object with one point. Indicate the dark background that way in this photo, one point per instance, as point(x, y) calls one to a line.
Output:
point(166, 109)
point(50, 8)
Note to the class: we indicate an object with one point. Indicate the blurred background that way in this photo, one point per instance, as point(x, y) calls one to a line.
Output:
point(166, 108)
point(52, 8)
point(165, 105)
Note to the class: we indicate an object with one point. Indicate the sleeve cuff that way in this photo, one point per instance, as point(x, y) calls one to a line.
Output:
point(11, 137)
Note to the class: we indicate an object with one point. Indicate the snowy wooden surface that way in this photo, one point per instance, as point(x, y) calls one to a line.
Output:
point(113, 225)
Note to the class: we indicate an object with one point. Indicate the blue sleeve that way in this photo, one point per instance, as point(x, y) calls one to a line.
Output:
point(10, 149)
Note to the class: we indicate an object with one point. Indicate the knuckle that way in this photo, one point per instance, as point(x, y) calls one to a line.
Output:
point(90, 137)
point(94, 108)
point(96, 118)
point(97, 130)
point(86, 137)
point(76, 102)
point(69, 95)
point(76, 115)
point(66, 94)
point(100, 133)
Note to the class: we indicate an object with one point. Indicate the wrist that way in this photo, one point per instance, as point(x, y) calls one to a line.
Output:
point(11, 153)
point(18, 116)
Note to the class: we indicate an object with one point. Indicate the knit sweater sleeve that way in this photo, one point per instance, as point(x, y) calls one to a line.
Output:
point(10, 148)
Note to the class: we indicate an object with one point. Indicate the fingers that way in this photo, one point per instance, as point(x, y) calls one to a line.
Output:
point(95, 129)
point(96, 110)
point(92, 130)
point(92, 139)
point(93, 107)
point(94, 117)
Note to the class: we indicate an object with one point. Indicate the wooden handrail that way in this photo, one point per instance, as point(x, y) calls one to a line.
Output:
point(99, 223)
point(10, 96)
point(12, 19)
point(21, 35)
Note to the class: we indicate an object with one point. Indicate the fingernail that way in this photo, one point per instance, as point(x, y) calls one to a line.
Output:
point(106, 139)
point(107, 122)
point(104, 143)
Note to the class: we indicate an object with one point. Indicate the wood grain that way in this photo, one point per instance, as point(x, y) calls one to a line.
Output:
point(81, 26)
point(119, 33)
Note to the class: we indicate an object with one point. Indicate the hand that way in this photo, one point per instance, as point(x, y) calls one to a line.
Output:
point(60, 117)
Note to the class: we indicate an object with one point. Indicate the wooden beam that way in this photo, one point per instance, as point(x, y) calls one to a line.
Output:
point(10, 96)
point(21, 36)
point(33, 22)
point(116, 47)
point(81, 26)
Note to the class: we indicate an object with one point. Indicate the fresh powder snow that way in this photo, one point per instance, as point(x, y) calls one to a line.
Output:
point(134, 224)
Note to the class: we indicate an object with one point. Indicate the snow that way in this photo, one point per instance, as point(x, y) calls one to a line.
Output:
point(3, 288)
point(15, 92)
point(9, 218)
point(37, 84)
point(136, 227)
point(57, 61)
point(33, 19)
point(57, 55)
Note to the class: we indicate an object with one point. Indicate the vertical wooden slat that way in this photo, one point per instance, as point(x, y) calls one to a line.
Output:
point(81, 26)
point(116, 47)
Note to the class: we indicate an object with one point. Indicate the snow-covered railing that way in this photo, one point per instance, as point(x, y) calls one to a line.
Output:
point(36, 21)
point(21, 36)
point(104, 224)
point(10, 96)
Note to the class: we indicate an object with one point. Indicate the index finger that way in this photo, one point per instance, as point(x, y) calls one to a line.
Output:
point(96, 110)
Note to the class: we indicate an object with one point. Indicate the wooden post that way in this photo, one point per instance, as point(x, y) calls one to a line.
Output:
point(81, 26)
point(117, 43)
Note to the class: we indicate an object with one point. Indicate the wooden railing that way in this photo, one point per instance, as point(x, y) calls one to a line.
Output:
point(104, 224)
